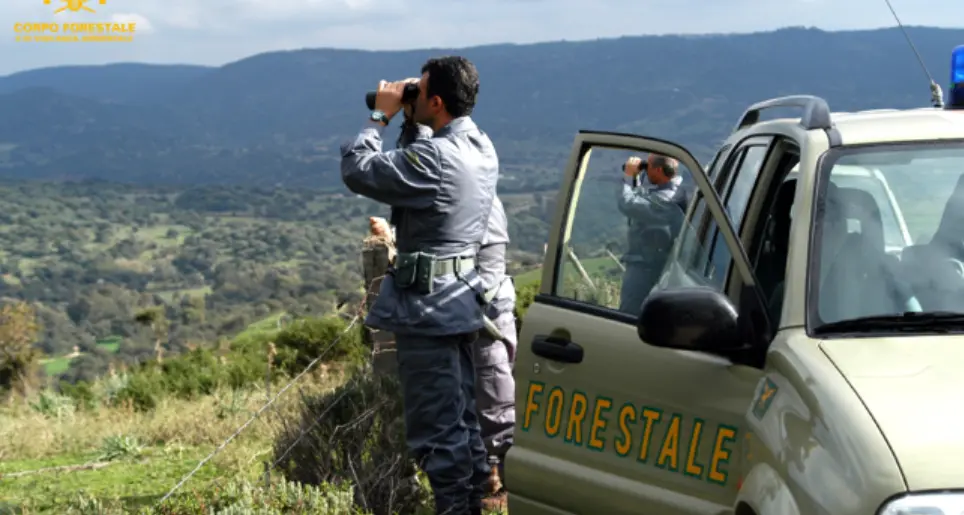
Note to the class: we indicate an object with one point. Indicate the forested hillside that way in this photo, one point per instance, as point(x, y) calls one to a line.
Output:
point(277, 118)
point(214, 259)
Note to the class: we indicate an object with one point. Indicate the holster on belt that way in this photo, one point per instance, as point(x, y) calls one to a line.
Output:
point(488, 326)
point(491, 330)
point(414, 270)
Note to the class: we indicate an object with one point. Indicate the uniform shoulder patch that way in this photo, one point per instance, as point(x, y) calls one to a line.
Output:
point(412, 157)
point(764, 397)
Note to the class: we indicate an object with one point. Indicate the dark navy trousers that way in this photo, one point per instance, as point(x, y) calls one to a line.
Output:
point(441, 422)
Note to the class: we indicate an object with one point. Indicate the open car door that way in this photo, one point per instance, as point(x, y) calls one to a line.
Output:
point(606, 422)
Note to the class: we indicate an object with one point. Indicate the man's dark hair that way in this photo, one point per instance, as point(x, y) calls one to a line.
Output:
point(455, 80)
point(666, 164)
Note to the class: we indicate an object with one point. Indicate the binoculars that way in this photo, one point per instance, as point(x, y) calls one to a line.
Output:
point(642, 166)
point(409, 94)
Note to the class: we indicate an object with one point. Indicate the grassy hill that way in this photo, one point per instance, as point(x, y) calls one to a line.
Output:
point(97, 448)
point(120, 443)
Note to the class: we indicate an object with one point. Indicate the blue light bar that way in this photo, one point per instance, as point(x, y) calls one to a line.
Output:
point(956, 94)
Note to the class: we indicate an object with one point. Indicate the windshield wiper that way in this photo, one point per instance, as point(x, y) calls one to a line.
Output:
point(930, 321)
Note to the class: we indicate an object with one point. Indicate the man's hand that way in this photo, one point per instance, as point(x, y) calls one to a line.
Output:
point(380, 227)
point(633, 166)
point(388, 98)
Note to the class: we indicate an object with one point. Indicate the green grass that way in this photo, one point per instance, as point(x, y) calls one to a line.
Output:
point(111, 344)
point(58, 365)
point(136, 481)
point(130, 459)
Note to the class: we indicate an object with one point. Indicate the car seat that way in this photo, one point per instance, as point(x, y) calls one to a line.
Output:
point(860, 278)
point(930, 269)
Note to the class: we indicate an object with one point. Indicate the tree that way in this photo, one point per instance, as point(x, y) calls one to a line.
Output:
point(19, 359)
point(155, 319)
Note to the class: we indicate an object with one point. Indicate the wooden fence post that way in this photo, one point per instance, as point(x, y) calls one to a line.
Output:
point(377, 254)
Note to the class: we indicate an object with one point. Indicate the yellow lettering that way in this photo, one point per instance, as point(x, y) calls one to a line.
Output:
point(577, 412)
point(554, 411)
point(35, 27)
point(599, 423)
point(693, 468)
point(670, 449)
point(652, 416)
point(624, 442)
point(721, 454)
point(535, 388)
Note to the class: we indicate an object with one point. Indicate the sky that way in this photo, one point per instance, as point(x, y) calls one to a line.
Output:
point(215, 32)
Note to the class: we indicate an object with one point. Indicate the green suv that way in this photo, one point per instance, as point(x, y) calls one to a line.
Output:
point(802, 352)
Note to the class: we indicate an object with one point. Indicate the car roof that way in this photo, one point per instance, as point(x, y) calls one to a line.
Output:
point(891, 125)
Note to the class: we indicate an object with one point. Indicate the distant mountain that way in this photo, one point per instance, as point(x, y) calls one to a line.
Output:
point(131, 83)
point(277, 118)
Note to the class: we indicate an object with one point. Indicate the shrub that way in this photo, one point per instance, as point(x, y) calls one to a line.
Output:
point(524, 297)
point(307, 338)
point(141, 391)
point(54, 405)
point(191, 375)
point(81, 393)
point(202, 371)
point(355, 434)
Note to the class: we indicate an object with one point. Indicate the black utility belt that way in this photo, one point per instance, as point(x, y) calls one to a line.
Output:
point(417, 269)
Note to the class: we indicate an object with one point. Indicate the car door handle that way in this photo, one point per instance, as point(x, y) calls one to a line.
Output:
point(557, 349)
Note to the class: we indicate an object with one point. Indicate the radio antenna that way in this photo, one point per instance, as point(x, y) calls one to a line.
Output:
point(937, 96)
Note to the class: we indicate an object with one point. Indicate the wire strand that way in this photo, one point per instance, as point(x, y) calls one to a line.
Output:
point(259, 412)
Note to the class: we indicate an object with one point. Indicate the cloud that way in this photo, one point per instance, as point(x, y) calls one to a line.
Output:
point(142, 24)
point(261, 10)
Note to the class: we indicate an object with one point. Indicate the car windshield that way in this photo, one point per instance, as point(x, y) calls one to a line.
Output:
point(889, 237)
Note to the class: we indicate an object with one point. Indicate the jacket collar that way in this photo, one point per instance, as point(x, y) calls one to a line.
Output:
point(460, 124)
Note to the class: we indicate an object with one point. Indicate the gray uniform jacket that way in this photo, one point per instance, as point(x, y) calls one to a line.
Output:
point(492, 262)
point(492, 254)
point(655, 216)
point(441, 191)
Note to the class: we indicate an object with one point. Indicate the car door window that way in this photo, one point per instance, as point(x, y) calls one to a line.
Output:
point(713, 172)
point(739, 187)
point(621, 231)
point(771, 236)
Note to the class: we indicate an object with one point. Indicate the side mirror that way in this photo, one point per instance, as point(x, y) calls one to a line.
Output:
point(693, 318)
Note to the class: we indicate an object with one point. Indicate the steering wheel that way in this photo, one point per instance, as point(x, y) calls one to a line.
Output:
point(958, 265)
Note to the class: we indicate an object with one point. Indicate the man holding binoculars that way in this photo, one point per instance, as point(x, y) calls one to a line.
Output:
point(654, 211)
point(441, 191)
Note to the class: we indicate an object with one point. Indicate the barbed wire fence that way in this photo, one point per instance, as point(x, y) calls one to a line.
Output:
point(261, 410)
point(353, 433)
